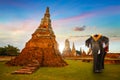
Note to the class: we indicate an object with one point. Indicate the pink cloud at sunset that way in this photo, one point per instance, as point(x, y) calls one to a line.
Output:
point(27, 25)
point(17, 32)
point(111, 10)
point(79, 28)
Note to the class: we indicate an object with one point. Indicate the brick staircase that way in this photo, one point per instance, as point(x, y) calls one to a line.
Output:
point(28, 69)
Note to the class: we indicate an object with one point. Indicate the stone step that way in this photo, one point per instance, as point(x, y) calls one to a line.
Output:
point(22, 72)
point(33, 65)
point(29, 69)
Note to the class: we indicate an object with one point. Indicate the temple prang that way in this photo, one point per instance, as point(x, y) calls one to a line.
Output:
point(42, 47)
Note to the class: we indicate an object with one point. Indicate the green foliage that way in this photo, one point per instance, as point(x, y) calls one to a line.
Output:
point(76, 70)
point(2, 51)
point(9, 50)
point(78, 52)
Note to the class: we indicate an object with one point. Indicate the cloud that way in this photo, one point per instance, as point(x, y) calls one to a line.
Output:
point(74, 18)
point(17, 32)
point(110, 10)
point(80, 36)
point(114, 38)
point(17, 25)
point(79, 28)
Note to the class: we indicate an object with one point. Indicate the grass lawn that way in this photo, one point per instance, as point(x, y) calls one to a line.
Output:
point(76, 70)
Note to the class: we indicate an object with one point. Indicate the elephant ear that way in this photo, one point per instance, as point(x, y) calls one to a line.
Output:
point(106, 43)
point(96, 37)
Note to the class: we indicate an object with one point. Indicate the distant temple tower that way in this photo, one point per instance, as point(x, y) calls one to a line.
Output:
point(42, 47)
point(67, 50)
point(74, 53)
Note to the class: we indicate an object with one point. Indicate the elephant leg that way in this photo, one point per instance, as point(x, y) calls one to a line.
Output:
point(96, 62)
point(102, 60)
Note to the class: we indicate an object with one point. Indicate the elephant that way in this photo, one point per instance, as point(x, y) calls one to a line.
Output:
point(99, 46)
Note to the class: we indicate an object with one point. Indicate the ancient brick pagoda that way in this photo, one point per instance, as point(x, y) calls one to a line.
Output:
point(74, 53)
point(67, 50)
point(42, 48)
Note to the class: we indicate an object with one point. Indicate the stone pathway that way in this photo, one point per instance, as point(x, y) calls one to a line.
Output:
point(28, 69)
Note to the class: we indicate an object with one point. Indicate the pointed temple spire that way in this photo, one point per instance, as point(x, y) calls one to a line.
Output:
point(67, 49)
point(73, 47)
point(47, 14)
point(45, 26)
point(73, 50)
point(46, 22)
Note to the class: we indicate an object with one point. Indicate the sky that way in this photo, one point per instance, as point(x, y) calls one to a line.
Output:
point(75, 20)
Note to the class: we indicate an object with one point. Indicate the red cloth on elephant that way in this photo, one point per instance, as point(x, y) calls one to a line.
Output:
point(106, 49)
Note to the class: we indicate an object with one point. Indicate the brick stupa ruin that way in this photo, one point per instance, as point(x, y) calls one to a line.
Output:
point(73, 52)
point(41, 48)
point(67, 50)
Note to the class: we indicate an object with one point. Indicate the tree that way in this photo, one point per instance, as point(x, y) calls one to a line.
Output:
point(9, 50)
point(2, 51)
point(78, 52)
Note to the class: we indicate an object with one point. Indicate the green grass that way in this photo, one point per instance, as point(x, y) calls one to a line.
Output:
point(76, 70)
